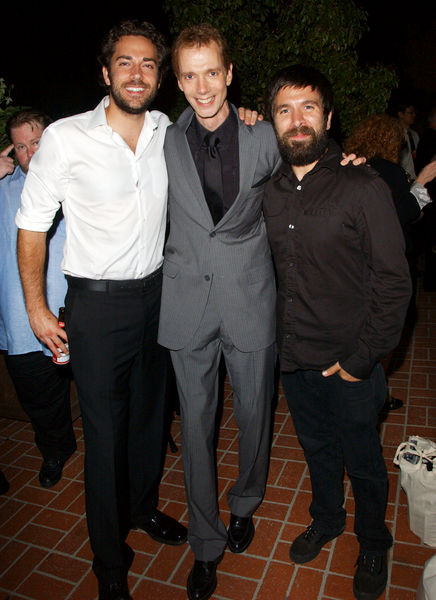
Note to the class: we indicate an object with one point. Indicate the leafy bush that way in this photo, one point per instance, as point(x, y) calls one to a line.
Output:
point(267, 35)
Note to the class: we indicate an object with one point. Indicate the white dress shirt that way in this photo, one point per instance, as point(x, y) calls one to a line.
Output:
point(114, 200)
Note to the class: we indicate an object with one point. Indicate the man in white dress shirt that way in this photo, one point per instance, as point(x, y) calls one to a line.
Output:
point(107, 169)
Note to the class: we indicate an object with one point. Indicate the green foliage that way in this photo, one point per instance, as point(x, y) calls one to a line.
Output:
point(6, 111)
point(267, 35)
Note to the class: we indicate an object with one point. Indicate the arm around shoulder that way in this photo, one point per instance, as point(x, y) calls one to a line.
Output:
point(265, 131)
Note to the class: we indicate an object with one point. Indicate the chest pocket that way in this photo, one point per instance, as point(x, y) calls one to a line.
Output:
point(320, 229)
point(320, 212)
point(275, 207)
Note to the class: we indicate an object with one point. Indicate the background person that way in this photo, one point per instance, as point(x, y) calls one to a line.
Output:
point(380, 138)
point(406, 115)
point(43, 389)
point(426, 231)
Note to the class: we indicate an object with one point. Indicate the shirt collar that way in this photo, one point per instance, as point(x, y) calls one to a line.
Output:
point(225, 131)
point(330, 160)
point(18, 174)
point(98, 117)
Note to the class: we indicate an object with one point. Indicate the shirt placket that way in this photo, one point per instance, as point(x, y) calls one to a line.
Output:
point(289, 316)
point(142, 215)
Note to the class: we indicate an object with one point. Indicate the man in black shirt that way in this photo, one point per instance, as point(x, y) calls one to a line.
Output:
point(343, 291)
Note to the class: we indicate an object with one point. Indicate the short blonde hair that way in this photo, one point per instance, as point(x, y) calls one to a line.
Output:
point(197, 36)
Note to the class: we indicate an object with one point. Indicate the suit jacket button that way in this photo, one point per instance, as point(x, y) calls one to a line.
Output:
point(213, 234)
point(207, 277)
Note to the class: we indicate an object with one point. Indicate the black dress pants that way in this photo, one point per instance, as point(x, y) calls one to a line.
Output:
point(43, 390)
point(120, 374)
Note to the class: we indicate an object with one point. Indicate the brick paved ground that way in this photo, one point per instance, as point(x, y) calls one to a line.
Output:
point(44, 551)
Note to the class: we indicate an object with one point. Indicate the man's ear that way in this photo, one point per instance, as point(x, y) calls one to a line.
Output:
point(329, 120)
point(106, 76)
point(229, 75)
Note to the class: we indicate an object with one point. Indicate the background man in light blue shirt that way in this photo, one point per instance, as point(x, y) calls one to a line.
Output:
point(43, 388)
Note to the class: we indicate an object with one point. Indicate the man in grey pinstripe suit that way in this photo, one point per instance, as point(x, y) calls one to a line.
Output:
point(218, 294)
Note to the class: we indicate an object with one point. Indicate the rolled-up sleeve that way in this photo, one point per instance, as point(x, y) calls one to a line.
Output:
point(45, 186)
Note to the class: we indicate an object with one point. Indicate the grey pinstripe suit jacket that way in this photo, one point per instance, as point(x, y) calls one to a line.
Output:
point(231, 260)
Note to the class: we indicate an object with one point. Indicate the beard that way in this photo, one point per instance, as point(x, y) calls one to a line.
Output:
point(304, 153)
point(132, 107)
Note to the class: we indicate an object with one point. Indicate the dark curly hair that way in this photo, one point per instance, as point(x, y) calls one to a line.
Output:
point(378, 136)
point(141, 28)
point(300, 76)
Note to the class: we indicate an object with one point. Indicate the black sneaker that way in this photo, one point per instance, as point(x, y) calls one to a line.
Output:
point(114, 591)
point(370, 577)
point(308, 544)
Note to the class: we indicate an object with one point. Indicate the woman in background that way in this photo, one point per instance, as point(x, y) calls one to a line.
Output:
point(380, 139)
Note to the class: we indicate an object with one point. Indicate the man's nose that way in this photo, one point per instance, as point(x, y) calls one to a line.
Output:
point(136, 72)
point(202, 86)
point(297, 117)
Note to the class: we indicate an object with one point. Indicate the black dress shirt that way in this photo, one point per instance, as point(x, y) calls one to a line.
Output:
point(229, 151)
point(343, 281)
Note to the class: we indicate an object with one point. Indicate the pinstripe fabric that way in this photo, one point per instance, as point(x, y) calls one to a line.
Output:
point(219, 298)
point(234, 254)
point(251, 377)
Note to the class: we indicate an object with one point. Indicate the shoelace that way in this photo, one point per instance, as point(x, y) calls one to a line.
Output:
point(369, 563)
point(310, 532)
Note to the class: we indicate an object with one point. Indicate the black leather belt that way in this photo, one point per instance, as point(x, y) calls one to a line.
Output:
point(112, 285)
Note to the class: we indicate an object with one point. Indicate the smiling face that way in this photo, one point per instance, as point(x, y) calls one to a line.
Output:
point(133, 74)
point(25, 139)
point(203, 79)
point(301, 125)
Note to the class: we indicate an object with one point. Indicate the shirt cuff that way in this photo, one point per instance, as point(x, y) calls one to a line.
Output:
point(22, 222)
point(421, 194)
point(358, 368)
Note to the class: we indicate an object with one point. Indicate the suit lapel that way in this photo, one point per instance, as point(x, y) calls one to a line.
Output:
point(187, 165)
point(248, 156)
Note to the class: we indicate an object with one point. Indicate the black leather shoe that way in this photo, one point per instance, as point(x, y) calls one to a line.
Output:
point(164, 529)
point(308, 544)
point(51, 472)
point(113, 591)
point(240, 532)
point(202, 579)
point(392, 403)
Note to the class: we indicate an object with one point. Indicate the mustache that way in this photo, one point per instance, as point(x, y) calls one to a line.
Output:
point(136, 83)
point(296, 130)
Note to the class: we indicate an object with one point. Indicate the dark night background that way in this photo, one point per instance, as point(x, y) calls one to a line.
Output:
point(49, 54)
